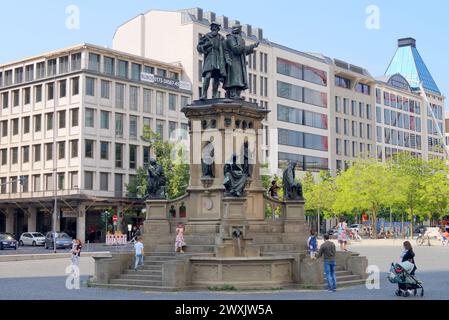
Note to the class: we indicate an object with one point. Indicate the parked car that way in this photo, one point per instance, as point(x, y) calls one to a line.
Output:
point(63, 240)
point(7, 241)
point(32, 239)
point(355, 227)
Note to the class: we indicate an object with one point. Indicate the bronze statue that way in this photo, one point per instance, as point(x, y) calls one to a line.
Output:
point(235, 54)
point(292, 189)
point(156, 181)
point(234, 178)
point(211, 45)
point(207, 161)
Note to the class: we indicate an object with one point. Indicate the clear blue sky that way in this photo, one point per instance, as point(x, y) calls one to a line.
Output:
point(334, 28)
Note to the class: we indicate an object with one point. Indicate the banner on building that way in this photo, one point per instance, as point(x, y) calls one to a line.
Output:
point(171, 83)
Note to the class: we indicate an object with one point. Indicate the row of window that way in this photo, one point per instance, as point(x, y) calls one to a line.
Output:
point(302, 117)
point(301, 94)
point(390, 152)
point(36, 123)
point(361, 130)
point(301, 72)
point(437, 111)
point(399, 120)
point(263, 61)
point(360, 109)
point(399, 138)
point(303, 163)
point(302, 140)
point(252, 85)
point(398, 102)
point(345, 83)
point(358, 149)
point(13, 97)
point(41, 70)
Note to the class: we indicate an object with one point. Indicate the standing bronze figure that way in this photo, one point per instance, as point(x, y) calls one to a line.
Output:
point(292, 189)
point(211, 45)
point(156, 181)
point(236, 51)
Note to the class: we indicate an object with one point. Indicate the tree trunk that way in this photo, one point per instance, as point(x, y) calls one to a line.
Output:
point(411, 223)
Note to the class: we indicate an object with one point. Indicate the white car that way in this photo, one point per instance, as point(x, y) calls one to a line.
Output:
point(355, 227)
point(32, 239)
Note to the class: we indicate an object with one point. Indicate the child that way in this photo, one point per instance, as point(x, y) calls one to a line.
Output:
point(312, 243)
point(139, 253)
point(179, 243)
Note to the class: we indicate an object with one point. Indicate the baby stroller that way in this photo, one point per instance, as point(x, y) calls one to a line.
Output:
point(407, 283)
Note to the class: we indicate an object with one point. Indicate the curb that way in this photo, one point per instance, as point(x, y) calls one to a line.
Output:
point(45, 256)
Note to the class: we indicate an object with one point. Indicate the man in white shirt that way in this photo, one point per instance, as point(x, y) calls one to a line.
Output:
point(138, 246)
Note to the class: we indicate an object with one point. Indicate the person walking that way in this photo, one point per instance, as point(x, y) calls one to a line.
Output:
point(76, 253)
point(179, 242)
point(138, 246)
point(312, 243)
point(328, 251)
point(408, 255)
point(342, 232)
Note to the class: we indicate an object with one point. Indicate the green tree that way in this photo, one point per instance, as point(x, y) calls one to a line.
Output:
point(435, 192)
point(366, 185)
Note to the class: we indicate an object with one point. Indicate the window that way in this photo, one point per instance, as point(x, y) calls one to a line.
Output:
point(346, 127)
point(4, 128)
point(149, 69)
point(14, 155)
point(338, 146)
point(48, 151)
point(105, 89)
point(88, 180)
point(354, 129)
point(62, 118)
point(109, 66)
point(29, 73)
point(184, 131)
point(162, 72)
point(27, 95)
point(302, 140)
point(94, 62)
point(302, 117)
point(368, 131)
point(104, 120)
point(37, 152)
point(387, 117)
point(119, 155)
point(89, 149)
point(89, 120)
point(4, 153)
point(289, 91)
point(74, 116)
point(40, 70)
point(354, 108)
point(104, 150)
point(90, 86)
point(119, 125)
point(134, 98)
point(301, 72)
point(379, 134)
point(25, 154)
point(36, 183)
point(172, 101)
point(38, 94)
point(123, 69)
point(146, 156)
point(51, 67)
point(362, 130)
point(147, 123)
point(61, 181)
point(13, 184)
point(119, 95)
point(74, 148)
point(132, 127)
point(48, 182)
point(16, 98)
point(378, 114)
point(172, 126)
point(315, 76)
point(63, 64)
point(160, 128)
point(363, 88)
point(147, 94)
point(342, 82)
point(378, 96)
point(26, 125)
point(50, 91)
point(73, 180)
point(132, 156)
point(8, 77)
point(135, 71)
point(76, 61)
point(75, 86)
point(104, 181)
point(361, 110)
point(15, 126)
point(337, 125)
point(5, 100)
point(160, 103)
point(61, 150)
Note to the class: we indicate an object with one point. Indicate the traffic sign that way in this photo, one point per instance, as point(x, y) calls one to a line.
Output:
point(114, 218)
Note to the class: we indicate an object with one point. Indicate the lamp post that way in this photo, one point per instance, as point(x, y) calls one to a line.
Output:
point(55, 165)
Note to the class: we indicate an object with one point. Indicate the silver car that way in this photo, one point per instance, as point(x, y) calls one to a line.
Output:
point(32, 239)
point(63, 240)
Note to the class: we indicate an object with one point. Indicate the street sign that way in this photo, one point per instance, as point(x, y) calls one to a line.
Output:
point(114, 218)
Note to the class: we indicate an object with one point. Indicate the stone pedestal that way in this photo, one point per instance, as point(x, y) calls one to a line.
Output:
point(156, 225)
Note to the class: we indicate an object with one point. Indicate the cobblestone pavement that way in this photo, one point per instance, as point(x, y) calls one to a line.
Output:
point(45, 279)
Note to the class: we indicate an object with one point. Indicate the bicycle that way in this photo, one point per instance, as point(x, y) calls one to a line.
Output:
point(421, 239)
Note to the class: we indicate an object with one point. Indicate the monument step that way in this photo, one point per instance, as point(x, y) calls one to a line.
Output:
point(134, 287)
point(277, 247)
point(151, 283)
point(189, 248)
point(158, 254)
point(159, 258)
point(140, 276)
point(147, 262)
point(200, 239)
point(150, 267)
point(145, 272)
point(350, 277)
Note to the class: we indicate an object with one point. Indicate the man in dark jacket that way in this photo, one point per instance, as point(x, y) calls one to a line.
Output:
point(328, 251)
